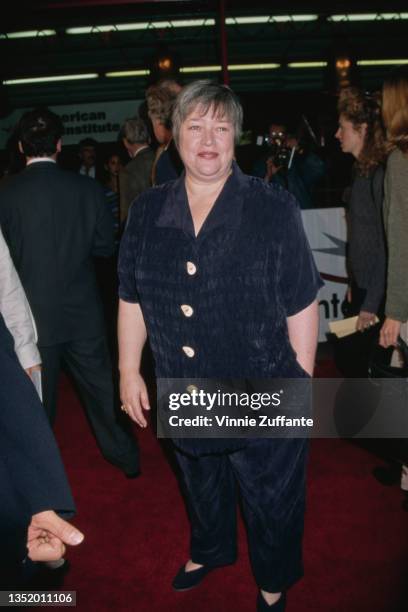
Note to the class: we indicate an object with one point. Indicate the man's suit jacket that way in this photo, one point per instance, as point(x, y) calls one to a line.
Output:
point(135, 178)
point(54, 222)
point(32, 477)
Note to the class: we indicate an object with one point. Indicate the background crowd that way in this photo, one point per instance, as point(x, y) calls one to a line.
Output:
point(66, 256)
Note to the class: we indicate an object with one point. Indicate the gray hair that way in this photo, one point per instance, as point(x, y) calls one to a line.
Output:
point(206, 94)
point(135, 131)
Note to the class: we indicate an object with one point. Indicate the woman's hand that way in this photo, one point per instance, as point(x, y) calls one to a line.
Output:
point(133, 394)
point(365, 320)
point(390, 332)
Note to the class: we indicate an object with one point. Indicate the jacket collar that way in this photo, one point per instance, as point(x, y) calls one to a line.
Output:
point(47, 164)
point(39, 160)
point(227, 209)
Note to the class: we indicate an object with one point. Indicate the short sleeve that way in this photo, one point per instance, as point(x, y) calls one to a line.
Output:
point(299, 280)
point(129, 245)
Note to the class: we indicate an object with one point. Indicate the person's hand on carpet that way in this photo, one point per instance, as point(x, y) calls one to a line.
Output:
point(48, 534)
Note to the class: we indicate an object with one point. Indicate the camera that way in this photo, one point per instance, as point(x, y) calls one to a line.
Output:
point(278, 152)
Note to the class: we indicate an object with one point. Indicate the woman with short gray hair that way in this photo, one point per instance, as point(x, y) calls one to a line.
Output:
point(207, 95)
point(215, 268)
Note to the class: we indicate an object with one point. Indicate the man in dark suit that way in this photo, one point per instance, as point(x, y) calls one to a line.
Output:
point(54, 222)
point(136, 176)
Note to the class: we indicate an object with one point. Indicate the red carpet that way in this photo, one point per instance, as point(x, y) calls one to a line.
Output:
point(137, 533)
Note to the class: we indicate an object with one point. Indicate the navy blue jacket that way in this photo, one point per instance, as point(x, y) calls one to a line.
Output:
point(249, 268)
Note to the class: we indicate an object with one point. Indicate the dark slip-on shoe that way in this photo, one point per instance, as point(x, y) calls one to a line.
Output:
point(184, 581)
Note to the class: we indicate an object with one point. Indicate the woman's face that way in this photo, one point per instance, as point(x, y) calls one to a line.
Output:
point(114, 165)
point(206, 145)
point(351, 137)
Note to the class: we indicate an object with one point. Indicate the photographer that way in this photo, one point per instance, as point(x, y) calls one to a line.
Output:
point(288, 163)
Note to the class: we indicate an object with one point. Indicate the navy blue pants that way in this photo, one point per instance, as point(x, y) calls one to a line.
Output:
point(269, 477)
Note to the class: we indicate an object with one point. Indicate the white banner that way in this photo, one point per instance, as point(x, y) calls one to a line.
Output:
point(100, 121)
point(327, 234)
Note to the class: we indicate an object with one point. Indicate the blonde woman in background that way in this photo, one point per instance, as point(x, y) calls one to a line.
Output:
point(395, 115)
